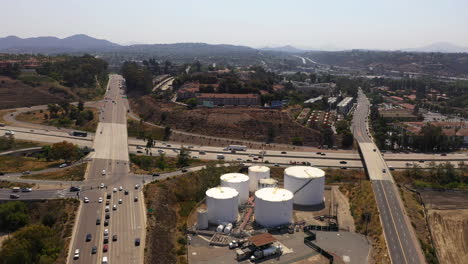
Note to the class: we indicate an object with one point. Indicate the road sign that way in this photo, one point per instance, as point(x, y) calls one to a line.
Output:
point(150, 210)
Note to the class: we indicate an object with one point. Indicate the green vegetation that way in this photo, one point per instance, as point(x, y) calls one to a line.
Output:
point(10, 143)
point(8, 184)
point(12, 164)
point(41, 231)
point(139, 129)
point(63, 114)
point(75, 173)
point(161, 163)
point(172, 200)
point(443, 176)
point(11, 70)
point(79, 72)
point(62, 151)
point(137, 78)
point(343, 129)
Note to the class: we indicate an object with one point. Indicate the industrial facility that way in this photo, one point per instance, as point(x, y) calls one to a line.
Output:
point(246, 213)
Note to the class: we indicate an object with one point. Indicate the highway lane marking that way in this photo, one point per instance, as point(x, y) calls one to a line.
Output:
point(393, 221)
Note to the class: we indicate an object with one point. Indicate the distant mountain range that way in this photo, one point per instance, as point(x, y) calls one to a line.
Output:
point(287, 49)
point(445, 47)
point(75, 43)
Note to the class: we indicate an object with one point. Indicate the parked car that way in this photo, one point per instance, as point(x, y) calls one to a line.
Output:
point(126, 192)
point(106, 222)
point(114, 238)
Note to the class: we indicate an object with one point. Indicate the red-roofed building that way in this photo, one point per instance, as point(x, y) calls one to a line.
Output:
point(396, 98)
point(408, 106)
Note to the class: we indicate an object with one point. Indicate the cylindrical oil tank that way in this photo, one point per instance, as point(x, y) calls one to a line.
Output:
point(256, 173)
point(273, 207)
point(267, 183)
point(202, 219)
point(306, 183)
point(239, 182)
point(222, 203)
point(220, 228)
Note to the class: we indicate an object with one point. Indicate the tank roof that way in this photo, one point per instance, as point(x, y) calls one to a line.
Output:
point(234, 177)
point(274, 194)
point(259, 168)
point(304, 172)
point(222, 193)
point(268, 181)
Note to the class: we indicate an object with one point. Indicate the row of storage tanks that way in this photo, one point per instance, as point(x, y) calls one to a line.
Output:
point(303, 185)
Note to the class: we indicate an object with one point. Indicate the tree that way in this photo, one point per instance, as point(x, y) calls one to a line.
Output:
point(6, 142)
point(80, 106)
point(183, 158)
point(13, 215)
point(347, 140)
point(53, 109)
point(161, 161)
point(191, 103)
point(64, 150)
point(297, 141)
point(31, 244)
point(167, 133)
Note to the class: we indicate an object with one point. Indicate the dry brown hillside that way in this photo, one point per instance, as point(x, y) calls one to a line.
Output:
point(15, 93)
point(236, 122)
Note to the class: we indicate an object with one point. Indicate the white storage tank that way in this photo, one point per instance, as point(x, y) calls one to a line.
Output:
point(222, 203)
point(267, 183)
point(273, 207)
point(239, 182)
point(256, 173)
point(202, 219)
point(296, 177)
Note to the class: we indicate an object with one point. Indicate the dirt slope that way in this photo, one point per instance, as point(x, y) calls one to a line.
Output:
point(236, 122)
point(450, 233)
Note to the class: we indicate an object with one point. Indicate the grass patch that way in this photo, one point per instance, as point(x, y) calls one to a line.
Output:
point(7, 184)
point(171, 202)
point(415, 211)
point(141, 130)
point(12, 164)
point(75, 173)
point(362, 201)
point(39, 117)
point(154, 164)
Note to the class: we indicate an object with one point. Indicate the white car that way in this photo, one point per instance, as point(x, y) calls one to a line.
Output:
point(106, 232)
point(137, 186)
point(194, 157)
point(100, 200)
point(107, 209)
point(77, 254)
point(114, 190)
point(101, 185)
point(120, 201)
point(114, 207)
point(9, 133)
point(63, 165)
point(103, 172)
point(86, 200)
point(120, 188)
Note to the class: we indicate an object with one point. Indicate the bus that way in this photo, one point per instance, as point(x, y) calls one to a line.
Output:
point(236, 147)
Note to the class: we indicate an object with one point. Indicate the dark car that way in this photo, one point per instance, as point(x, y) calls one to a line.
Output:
point(284, 152)
point(184, 170)
point(443, 154)
point(107, 202)
point(1, 173)
point(344, 168)
point(105, 248)
point(109, 196)
point(421, 161)
point(114, 238)
point(343, 162)
point(139, 151)
point(106, 222)
point(137, 241)
point(155, 174)
point(135, 199)
point(93, 250)
point(75, 189)
point(126, 192)
point(88, 237)
point(107, 215)
point(98, 221)
point(14, 196)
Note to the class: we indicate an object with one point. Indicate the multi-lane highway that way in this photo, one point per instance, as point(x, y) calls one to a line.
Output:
point(402, 243)
point(110, 166)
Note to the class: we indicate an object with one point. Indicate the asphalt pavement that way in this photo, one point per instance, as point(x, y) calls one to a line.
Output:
point(402, 244)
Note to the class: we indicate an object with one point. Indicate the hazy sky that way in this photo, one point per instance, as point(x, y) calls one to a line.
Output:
point(373, 24)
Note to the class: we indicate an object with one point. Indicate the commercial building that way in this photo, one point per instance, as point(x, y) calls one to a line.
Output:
point(345, 105)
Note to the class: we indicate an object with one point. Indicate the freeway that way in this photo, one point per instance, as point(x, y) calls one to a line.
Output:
point(37, 194)
point(128, 221)
point(402, 244)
